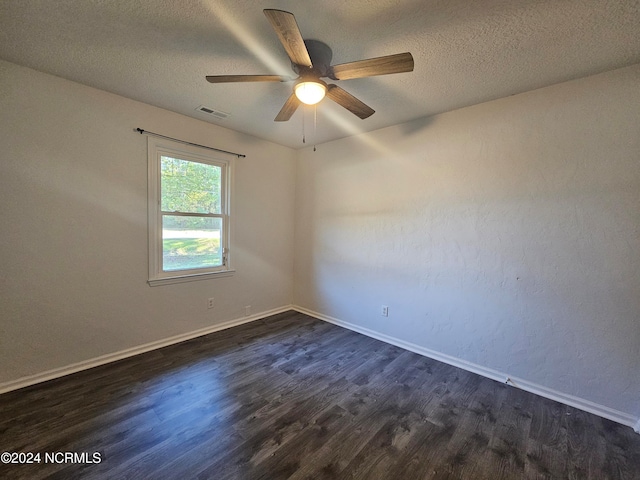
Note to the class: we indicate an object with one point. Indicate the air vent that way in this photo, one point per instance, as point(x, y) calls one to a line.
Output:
point(213, 112)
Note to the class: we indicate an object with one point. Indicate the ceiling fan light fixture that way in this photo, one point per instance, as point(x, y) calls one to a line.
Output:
point(310, 92)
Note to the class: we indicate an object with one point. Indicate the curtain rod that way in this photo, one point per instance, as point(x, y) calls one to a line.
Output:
point(147, 132)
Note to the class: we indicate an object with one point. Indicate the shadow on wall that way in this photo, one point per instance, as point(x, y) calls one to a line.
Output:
point(417, 125)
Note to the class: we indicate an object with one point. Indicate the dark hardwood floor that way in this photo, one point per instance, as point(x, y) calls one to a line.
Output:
point(293, 397)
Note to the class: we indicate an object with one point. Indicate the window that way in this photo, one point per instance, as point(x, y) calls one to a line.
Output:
point(188, 213)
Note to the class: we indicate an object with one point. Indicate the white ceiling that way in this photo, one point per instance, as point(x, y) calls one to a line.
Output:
point(465, 52)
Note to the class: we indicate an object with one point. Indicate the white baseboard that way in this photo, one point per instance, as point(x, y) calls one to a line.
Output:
point(579, 403)
point(130, 352)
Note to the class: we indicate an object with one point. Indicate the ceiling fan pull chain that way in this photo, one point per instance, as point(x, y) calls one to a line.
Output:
point(303, 138)
point(315, 125)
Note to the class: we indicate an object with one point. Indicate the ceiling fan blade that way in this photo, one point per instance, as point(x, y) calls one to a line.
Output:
point(348, 101)
point(288, 108)
point(398, 63)
point(246, 78)
point(286, 27)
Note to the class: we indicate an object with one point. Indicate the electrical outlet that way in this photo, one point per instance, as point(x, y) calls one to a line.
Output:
point(210, 303)
point(247, 310)
point(385, 311)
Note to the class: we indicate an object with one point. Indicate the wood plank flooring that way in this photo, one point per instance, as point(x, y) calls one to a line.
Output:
point(291, 397)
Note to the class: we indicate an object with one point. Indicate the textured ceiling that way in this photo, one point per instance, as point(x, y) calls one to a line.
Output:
point(465, 52)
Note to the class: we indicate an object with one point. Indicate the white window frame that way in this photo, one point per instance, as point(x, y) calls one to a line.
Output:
point(156, 148)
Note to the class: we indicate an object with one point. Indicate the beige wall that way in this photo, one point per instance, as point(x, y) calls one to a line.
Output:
point(505, 235)
point(73, 256)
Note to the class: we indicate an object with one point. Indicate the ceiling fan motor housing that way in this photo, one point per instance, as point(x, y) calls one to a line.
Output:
point(320, 54)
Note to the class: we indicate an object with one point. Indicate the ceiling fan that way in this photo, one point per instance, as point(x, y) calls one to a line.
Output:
point(311, 60)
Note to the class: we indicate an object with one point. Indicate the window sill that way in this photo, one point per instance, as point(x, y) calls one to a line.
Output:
point(155, 282)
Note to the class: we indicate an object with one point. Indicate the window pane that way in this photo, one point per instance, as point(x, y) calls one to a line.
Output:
point(190, 186)
point(190, 242)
